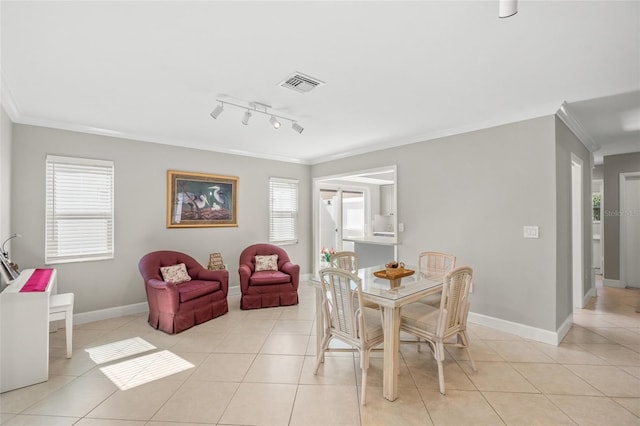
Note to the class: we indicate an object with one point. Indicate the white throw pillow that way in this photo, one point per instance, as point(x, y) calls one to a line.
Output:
point(175, 274)
point(267, 263)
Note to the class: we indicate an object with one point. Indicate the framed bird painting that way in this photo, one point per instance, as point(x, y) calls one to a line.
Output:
point(201, 200)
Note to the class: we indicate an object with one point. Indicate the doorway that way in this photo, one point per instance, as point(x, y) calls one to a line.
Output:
point(347, 208)
point(341, 217)
point(630, 229)
point(577, 233)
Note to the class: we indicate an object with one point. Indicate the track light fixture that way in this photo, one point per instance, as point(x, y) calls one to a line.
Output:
point(275, 120)
point(246, 117)
point(216, 112)
point(507, 8)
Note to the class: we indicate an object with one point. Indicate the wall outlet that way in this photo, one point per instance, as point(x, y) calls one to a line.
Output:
point(531, 232)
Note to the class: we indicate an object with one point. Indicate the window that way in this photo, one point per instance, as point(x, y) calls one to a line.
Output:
point(283, 211)
point(79, 210)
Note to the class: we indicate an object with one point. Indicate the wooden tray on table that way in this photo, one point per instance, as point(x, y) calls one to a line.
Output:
point(394, 275)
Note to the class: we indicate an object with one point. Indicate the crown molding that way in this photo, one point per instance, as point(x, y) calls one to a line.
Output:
point(80, 128)
point(578, 129)
point(516, 117)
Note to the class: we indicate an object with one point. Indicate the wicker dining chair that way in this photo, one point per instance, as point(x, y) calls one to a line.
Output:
point(348, 320)
point(437, 325)
point(434, 265)
point(346, 260)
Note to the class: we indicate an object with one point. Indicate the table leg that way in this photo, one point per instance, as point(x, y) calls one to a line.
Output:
point(391, 353)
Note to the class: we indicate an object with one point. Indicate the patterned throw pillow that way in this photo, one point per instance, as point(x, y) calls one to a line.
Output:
point(267, 263)
point(175, 274)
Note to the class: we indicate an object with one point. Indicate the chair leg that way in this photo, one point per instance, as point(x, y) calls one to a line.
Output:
point(464, 338)
point(364, 366)
point(363, 394)
point(439, 355)
point(320, 356)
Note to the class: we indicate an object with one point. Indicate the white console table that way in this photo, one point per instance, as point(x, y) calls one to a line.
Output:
point(24, 333)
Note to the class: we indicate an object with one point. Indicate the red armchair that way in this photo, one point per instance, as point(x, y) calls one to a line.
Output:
point(176, 307)
point(268, 288)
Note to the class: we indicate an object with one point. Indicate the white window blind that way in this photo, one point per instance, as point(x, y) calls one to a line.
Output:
point(79, 210)
point(283, 211)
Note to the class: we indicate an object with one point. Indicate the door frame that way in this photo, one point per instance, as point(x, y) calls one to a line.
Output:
point(623, 234)
point(318, 182)
point(601, 253)
point(577, 234)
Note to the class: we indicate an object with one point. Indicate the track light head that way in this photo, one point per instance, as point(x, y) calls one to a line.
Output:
point(216, 112)
point(507, 8)
point(274, 122)
point(296, 127)
point(246, 117)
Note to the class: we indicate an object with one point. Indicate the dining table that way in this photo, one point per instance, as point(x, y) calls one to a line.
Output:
point(390, 299)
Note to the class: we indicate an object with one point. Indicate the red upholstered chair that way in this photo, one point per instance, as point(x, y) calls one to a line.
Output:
point(176, 307)
point(264, 289)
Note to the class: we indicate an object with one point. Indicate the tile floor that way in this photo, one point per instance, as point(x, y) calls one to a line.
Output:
point(255, 368)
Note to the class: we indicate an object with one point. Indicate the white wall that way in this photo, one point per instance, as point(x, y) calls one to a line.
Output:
point(140, 210)
point(471, 195)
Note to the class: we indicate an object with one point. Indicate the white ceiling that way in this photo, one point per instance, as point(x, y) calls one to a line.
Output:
point(395, 72)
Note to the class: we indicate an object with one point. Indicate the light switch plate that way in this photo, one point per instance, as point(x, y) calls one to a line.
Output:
point(531, 232)
point(401, 227)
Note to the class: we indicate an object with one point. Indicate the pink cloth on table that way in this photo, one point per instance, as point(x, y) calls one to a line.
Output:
point(38, 280)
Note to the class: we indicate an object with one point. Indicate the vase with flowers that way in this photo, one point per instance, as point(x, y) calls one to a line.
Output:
point(325, 257)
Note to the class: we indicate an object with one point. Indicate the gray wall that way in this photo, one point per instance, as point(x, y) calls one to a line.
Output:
point(140, 210)
point(613, 165)
point(468, 194)
point(471, 195)
point(5, 176)
point(566, 144)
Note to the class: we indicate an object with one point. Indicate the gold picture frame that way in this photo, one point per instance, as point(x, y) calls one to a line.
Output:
point(199, 200)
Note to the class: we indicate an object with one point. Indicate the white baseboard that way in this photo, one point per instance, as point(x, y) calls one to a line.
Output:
point(102, 314)
point(525, 331)
point(587, 297)
point(564, 329)
point(613, 283)
point(121, 311)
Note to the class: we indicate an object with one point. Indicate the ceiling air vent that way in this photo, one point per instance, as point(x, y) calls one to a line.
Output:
point(300, 83)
